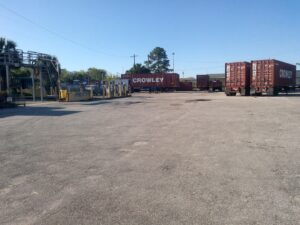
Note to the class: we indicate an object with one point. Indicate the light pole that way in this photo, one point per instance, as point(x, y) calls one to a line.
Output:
point(173, 54)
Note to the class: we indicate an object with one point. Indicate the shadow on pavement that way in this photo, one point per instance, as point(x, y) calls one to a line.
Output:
point(102, 102)
point(280, 95)
point(35, 111)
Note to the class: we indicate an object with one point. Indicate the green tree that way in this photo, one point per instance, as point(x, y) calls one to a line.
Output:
point(65, 76)
point(112, 77)
point(7, 46)
point(158, 61)
point(21, 72)
point(79, 75)
point(92, 74)
point(10, 45)
point(138, 69)
point(95, 74)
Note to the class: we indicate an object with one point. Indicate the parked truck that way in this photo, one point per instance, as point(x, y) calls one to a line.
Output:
point(271, 77)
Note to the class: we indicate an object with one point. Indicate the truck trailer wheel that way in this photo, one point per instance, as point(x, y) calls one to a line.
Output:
point(243, 92)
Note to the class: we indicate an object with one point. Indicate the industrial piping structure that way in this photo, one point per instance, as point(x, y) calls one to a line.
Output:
point(38, 63)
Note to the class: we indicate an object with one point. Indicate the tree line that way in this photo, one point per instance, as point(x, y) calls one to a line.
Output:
point(90, 75)
point(157, 62)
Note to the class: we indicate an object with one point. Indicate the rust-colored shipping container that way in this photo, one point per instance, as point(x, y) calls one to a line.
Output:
point(185, 86)
point(272, 76)
point(237, 78)
point(153, 82)
point(215, 85)
point(203, 82)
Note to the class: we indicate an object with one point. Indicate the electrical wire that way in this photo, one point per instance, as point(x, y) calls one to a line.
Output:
point(58, 34)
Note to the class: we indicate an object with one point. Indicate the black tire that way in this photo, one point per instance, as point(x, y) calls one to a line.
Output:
point(247, 92)
point(231, 93)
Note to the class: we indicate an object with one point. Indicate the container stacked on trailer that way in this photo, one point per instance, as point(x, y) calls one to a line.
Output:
point(203, 82)
point(259, 77)
point(272, 76)
point(237, 78)
point(153, 82)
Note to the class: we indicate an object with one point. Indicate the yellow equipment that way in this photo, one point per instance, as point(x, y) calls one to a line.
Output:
point(73, 96)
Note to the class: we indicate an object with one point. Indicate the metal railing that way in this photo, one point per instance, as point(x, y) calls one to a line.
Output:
point(28, 59)
point(40, 63)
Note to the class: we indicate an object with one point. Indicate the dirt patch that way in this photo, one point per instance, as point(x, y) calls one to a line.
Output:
point(198, 100)
point(175, 104)
point(143, 97)
point(132, 103)
point(127, 103)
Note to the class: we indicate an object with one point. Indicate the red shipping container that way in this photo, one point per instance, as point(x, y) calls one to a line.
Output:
point(272, 76)
point(185, 86)
point(157, 81)
point(237, 78)
point(203, 82)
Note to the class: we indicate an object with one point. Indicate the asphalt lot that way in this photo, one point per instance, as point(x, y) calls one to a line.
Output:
point(176, 158)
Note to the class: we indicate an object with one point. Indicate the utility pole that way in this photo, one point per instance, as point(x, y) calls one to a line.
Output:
point(134, 56)
point(33, 85)
point(7, 70)
point(41, 84)
point(7, 80)
point(58, 80)
point(148, 62)
point(173, 62)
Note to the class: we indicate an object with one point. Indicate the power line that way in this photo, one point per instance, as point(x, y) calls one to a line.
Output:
point(56, 33)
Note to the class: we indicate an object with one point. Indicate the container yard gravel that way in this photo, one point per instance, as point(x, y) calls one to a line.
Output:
point(154, 82)
point(237, 78)
point(272, 76)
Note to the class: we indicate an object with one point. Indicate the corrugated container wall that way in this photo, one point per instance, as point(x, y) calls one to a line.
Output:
point(185, 86)
point(237, 78)
point(158, 81)
point(272, 76)
point(203, 82)
point(298, 78)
